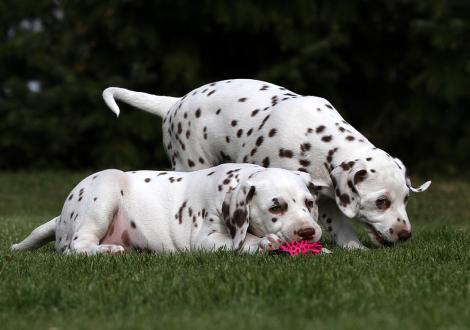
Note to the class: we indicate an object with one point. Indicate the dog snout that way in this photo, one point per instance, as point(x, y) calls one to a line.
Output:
point(403, 235)
point(306, 232)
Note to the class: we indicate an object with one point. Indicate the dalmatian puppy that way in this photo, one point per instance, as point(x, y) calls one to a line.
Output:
point(113, 211)
point(252, 121)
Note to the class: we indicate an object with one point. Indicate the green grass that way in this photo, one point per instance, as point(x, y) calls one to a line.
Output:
point(422, 284)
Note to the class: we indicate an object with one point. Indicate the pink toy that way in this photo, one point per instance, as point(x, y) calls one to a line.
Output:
point(295, 248)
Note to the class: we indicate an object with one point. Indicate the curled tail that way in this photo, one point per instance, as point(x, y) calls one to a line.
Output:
point(157, 105)
point(38, 237)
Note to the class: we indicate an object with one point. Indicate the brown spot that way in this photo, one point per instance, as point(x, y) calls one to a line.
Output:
point(360, 176)
point(264, 122)
point(285, 153)
point(125, 238)
point(305, 147)
point(272, 132)
point(320, 128)
point(253, 151)
point(344, 198)
point(266, 162)
point(250, 194)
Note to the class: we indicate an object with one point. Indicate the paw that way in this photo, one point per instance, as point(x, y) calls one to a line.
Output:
point(353, 245)
point(110, 249)
point(269, 243)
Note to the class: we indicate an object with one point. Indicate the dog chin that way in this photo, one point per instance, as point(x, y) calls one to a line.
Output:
point(376, 237)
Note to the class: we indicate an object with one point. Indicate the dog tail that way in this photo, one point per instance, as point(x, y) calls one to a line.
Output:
point(38, 237)
point(157, 105)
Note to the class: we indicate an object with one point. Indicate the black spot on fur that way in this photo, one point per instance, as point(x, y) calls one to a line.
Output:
point(239, 133)
point(285, 153)
point(360, 176)
point(327, 138)
point(218, 111)
point(249, 132)
point(190, 163)
point(304, 162)
point(243, 99)
point(147, 180)
point(198, 113)
point(320, 129)
point(234, 123)
point(272, 132)
point(266, 162)
point(254, 112)
point(133, 224)
point(259, 141)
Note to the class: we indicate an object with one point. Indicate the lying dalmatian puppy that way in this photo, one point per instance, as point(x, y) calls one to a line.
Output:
point(256, 122)
point(114, 211)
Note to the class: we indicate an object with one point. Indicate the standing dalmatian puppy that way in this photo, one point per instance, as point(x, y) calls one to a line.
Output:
point(113, 211)
point(252, 121)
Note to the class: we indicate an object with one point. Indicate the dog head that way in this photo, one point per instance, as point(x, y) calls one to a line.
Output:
point(376, 190)
point(273, 201)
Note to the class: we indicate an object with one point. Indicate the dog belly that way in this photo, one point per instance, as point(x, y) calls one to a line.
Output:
point(119, 232)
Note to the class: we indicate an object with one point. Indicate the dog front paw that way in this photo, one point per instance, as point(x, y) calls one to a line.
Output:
point(269, 243)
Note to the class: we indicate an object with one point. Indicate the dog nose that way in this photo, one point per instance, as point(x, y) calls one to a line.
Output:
point(306, 232)
point(403, 235)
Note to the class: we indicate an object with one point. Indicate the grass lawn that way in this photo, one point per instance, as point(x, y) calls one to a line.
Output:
point(422, 284)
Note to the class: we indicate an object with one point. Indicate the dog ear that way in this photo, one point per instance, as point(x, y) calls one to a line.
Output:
point(345, 177)
point(236, 211)
point(421, 188)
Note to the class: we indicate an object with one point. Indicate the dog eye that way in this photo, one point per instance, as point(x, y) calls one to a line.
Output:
point(383, 203)
point(275, 209)
point(309, 204)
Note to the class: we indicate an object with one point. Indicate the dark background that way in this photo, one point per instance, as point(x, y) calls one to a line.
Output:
point(398, 70)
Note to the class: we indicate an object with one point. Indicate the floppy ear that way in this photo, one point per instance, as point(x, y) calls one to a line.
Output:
point(236, 211)
point(421, 188)
point(345, 177)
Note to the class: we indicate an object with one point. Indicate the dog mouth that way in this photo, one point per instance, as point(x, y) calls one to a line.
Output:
point(377, 237)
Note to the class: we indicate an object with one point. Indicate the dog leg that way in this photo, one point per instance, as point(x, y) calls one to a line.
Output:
point(338, 225)
point(253, 244)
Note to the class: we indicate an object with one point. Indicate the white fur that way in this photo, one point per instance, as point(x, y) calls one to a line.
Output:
point(114, 211)
point(252, 121)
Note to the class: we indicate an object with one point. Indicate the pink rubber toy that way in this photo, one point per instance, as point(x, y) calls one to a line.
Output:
point(296, 248)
